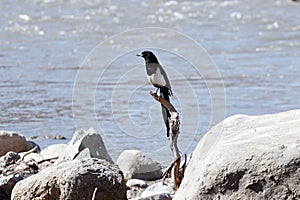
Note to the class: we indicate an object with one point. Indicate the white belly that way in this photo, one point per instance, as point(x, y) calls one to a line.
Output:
point(157, 78)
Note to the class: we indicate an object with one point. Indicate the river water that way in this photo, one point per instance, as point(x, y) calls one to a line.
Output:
point(68, 65)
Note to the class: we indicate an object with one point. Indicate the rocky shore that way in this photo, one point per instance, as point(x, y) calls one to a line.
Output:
point(243, 157)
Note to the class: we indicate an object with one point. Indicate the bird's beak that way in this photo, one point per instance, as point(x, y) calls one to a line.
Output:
point(139, 54)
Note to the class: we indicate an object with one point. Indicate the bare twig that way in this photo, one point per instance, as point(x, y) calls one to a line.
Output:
point(47, 160)
point(183, 167)
point(94, 193)
point(28, 152)
point(164, 102)
point(167, 171)
point(177, 178)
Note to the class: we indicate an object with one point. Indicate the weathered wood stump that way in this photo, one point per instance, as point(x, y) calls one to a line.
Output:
point(174, 125)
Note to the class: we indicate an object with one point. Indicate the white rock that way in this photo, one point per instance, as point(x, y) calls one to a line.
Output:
point(136, 183)
point(134, 164)
point(253, 158)
point(162, 196)
point(157, 188)
point(85, 143)
point(53, 151)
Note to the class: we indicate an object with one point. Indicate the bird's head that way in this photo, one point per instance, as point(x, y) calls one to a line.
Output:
point(148, 56)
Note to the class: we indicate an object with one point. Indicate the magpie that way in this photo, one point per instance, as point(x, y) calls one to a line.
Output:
point(156, 74)
point(158, 78)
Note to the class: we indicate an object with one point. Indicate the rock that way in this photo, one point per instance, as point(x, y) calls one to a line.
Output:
point(7, 183)
point(11, 163)
point(135, 188)
point(11, 141)
point(162, 196)
point(136, 183)
point(42, 137)
point(32, 145)
point(12, 170)
point(76, 179)
point(53, 151)
point(3, 194)
point(85, 143)
point(135, 165)
point(254, 158)
point(8, 159)
point(157, 188)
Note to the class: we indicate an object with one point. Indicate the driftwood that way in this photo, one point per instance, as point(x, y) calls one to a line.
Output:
point(174, 124)
point(47, 160)
point(94, 193)
point(34, 149)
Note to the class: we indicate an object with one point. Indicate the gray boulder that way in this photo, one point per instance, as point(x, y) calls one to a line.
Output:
point(85, 144)
point(135, 165)
point(11, 141)
point(76, 179)
point(253, 158)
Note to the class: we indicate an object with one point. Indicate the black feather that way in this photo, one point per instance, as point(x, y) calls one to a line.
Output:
point(164, 93)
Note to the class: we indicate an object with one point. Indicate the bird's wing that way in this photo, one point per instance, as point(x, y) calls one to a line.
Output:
point(164, 74)
point(151, 68)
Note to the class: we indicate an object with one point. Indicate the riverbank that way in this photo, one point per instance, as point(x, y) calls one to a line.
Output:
point(243, 157)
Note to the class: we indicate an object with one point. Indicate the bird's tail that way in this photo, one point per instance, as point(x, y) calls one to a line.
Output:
point(164, 93)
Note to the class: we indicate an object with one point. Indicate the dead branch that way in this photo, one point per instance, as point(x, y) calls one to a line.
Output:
point(167, 171)
point(28, 152)
point(177, 178)
point(164, 102)
point(178, 171)
point(174, 124)
point(183, 167)
point(47, 160)
point(173, 134)
point(94, 193)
